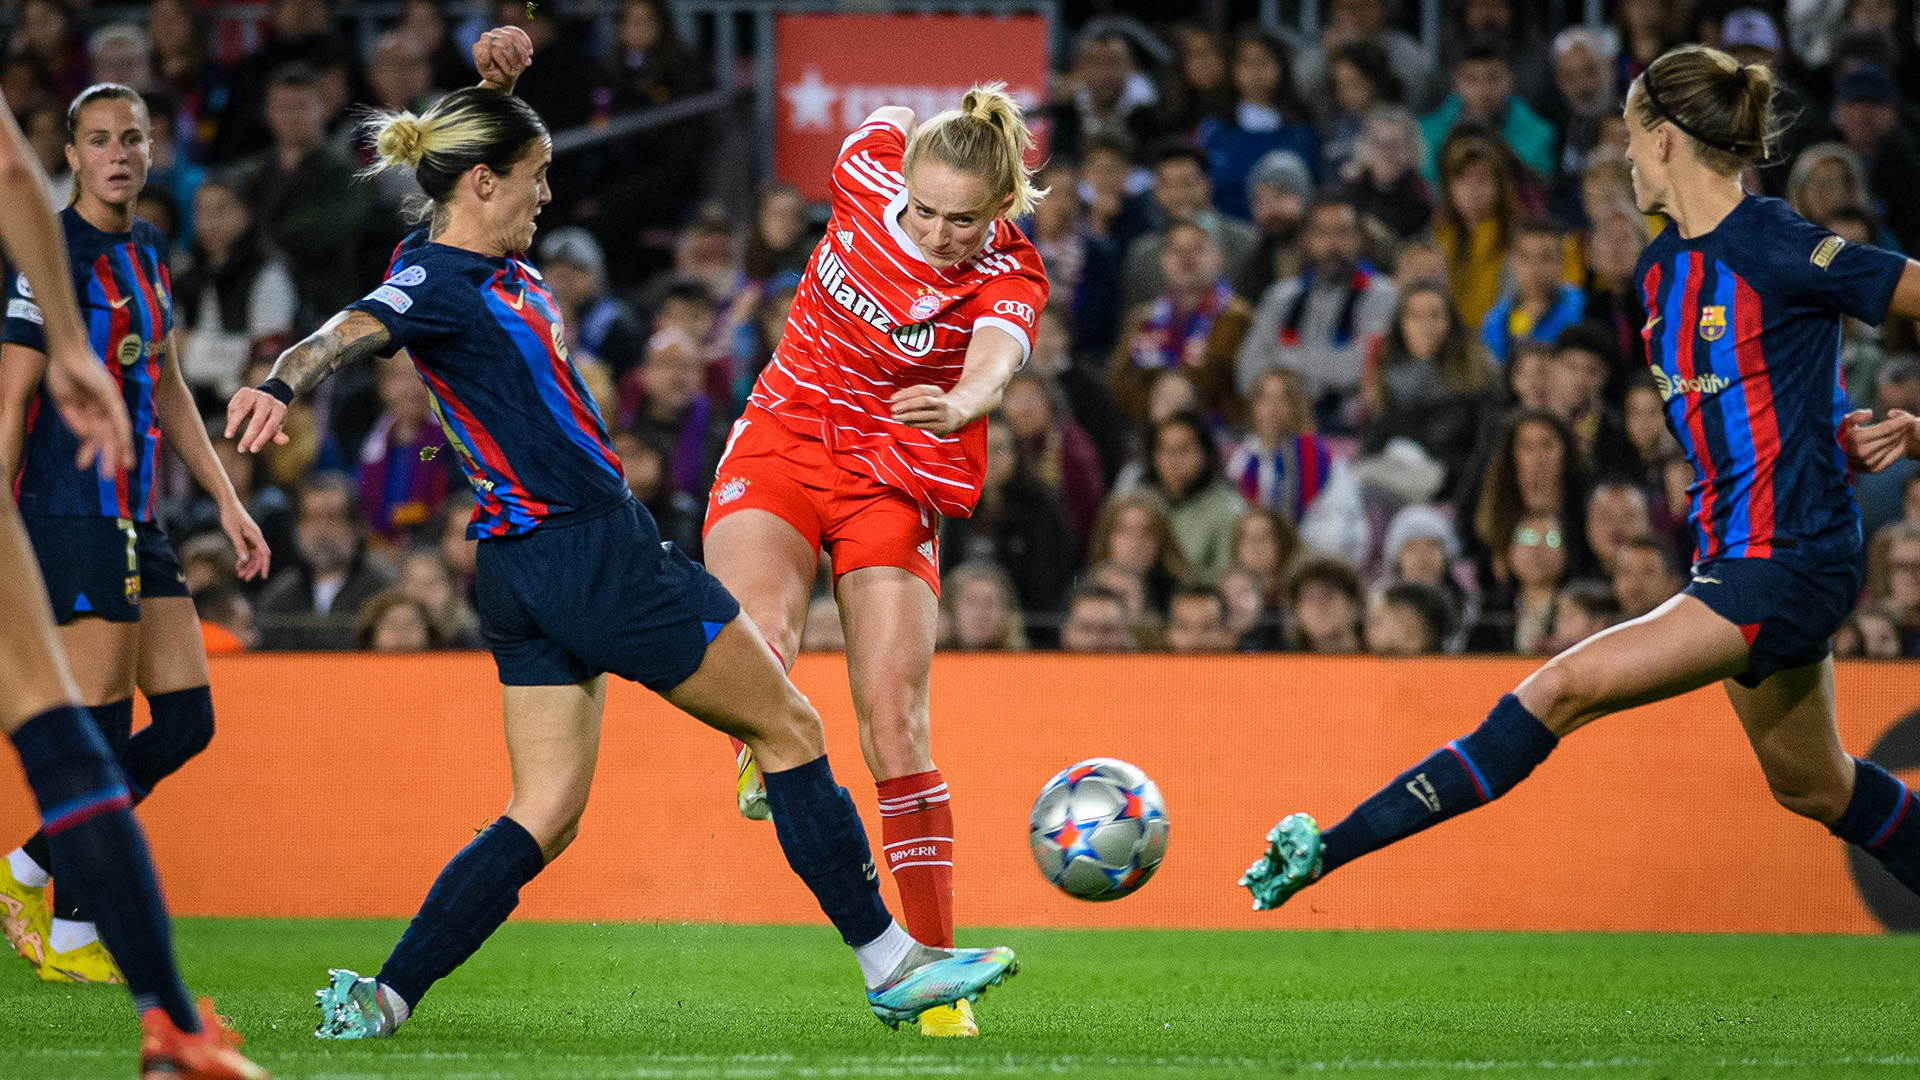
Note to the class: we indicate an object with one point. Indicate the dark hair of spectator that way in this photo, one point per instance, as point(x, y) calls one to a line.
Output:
point(1328, 198)
point(1117, 143)
point(1168, 153)
point(1880, 555)
point(1482, 50)
point(1467, 146)
point(1596, 598)
point(1286, 539)
point(295, 76)
point(1013, 634)
point(1851, 213)
point(1501, 504)
point(1650, 542)
point(1460, 359)
point(1209, 452)
point(96, 93)
point(1200, 590)
point(366, 624)
point(196, 41)
point(1188, 104)
point(663, 58)
point(1336, 574)
point(1171, 559)
point(470, 127)
point(168, 205)
point(1433, 607)
point(337, 482)
point(690, 291)
point(1725, 108)
point(1098, 593)
point(1588, 338)
point(758, 260)
point(1370, 62)
point(1539, 226)
point(1286, 99)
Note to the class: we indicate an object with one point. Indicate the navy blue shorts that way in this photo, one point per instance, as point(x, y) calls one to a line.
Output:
point(1788, 612)
point(564, 603)
point(102, 566)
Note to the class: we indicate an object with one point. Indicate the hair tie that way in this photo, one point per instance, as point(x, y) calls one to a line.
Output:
point(1742, 72)
point(1660, 110)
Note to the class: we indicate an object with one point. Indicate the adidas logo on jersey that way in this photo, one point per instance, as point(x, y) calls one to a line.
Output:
point(914, 340)
point(926, 552)
point(846, 239)
point(1670, 387)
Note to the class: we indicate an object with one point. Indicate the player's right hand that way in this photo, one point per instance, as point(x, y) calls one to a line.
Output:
point(1872, 447)
point(257, 415)
point(90, 404)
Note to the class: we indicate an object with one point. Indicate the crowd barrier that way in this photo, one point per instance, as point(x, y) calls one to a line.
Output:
point(338, 785)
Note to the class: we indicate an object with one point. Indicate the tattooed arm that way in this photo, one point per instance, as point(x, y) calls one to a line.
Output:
point(259, 411)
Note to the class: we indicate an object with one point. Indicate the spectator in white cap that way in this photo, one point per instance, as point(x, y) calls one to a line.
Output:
point(121, 53)
point(599, 325)
point(1278, 189)
point(1583, 61)
point(1866, 109)
point(1421, 548)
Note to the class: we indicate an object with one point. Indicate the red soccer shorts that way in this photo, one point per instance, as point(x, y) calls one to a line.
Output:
point(858, 519)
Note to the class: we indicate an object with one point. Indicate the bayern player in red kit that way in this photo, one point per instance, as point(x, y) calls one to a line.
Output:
point(868, 426)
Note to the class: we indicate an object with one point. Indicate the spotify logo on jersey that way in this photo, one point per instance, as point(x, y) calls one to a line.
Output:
point(129, 350)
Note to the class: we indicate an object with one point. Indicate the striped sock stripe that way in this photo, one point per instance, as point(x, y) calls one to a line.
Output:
point(1893, 820)
point(1473, 772)
point(918, 806)
point(928, 795)
point(58, 819)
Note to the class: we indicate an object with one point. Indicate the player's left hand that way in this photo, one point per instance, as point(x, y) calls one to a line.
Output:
point(1872, 447)
point(929, 408)
point(501, 55)
point(248, 541)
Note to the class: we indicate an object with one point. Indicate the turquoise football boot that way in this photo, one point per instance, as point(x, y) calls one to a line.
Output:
point(350, 1008)
point(1291, 862)
point(930, 977)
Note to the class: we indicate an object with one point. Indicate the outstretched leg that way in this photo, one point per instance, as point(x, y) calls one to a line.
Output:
point(1789, 720)
point(1680, 646)
point(553, 741)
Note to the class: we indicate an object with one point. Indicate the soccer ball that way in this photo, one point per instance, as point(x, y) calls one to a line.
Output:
point(1099, 829)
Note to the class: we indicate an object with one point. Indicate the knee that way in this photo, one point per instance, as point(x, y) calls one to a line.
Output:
point(1561, 694)
point(552, 820)
point(184, 719)
point(1809, 798)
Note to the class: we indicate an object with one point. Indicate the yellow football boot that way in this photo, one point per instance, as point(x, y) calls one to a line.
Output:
point(953, 1021)
point(749, 789)
point(24, 915)
point(90, 963)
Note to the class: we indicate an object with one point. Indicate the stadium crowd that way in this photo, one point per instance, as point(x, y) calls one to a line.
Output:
point(1343, 353)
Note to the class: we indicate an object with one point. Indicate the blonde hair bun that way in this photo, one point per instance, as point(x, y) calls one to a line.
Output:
point(402, 140)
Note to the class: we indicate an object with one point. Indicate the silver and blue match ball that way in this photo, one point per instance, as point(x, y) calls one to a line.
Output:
point(1099, 829)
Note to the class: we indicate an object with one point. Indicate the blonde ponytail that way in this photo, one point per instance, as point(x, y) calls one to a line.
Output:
point(987, 137)
point(474, 126)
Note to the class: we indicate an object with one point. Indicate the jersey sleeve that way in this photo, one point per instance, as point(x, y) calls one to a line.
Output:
point(417, 307)
point(861, 170)
point(25, 324)
point(1853, 279)
point(1012, 302)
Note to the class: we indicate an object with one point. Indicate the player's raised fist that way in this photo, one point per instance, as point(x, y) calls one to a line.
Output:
point(501, 55)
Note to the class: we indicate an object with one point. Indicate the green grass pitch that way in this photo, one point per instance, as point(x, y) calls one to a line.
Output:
point(596, 1002)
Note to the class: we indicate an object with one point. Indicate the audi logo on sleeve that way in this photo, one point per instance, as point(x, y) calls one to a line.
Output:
point(1023, 312)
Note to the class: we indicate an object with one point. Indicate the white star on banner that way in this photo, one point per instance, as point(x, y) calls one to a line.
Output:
point(812, 102)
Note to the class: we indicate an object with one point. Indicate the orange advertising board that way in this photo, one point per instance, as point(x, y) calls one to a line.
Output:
point(833, 70)
point(374, 770)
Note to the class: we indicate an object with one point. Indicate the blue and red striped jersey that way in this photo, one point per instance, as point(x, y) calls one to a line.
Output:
point(125, 292)
point(486, 337)
point(1743, 336)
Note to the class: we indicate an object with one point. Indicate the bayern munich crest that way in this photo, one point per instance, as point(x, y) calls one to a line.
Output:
point(731, 490)
point(924, 307)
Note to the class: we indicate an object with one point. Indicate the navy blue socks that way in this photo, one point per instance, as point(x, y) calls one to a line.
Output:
point(99, 851)
point(182, 727)
point(824, 842)
point(1883, 817)
point(468, 902)
point(115, 721)
point(1461, 775)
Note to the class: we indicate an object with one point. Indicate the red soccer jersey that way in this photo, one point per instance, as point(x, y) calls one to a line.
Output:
point(871, 317)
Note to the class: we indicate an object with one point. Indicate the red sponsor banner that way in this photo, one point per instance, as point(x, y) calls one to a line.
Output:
point(834, 70)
